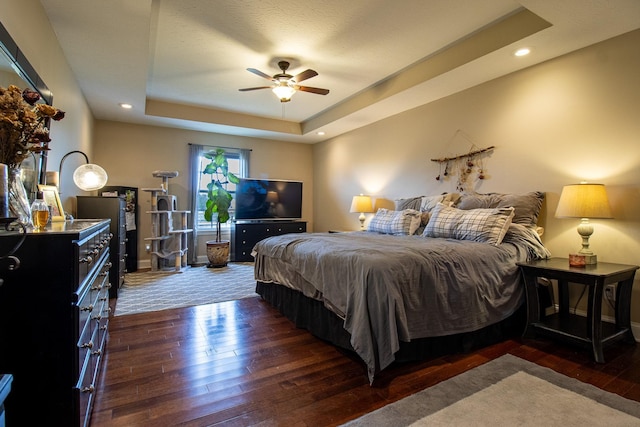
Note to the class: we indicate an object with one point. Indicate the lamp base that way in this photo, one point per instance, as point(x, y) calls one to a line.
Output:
point(582, 260)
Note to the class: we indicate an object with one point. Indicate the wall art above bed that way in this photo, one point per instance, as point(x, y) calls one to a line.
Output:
point(464, 165)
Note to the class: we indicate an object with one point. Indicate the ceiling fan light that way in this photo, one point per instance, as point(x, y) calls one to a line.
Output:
point(284, 92)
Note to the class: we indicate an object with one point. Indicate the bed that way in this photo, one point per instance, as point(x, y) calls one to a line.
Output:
point(437, 274)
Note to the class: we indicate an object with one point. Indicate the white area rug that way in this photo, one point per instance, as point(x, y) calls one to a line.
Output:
point(152, 291)
point(508, 391)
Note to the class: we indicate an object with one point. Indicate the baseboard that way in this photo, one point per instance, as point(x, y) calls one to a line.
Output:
point(145, 264)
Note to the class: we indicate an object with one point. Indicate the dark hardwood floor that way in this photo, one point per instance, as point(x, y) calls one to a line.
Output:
point(241, 363)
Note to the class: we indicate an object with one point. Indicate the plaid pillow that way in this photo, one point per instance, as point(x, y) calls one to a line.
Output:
point(479, 225)
point(395, 222)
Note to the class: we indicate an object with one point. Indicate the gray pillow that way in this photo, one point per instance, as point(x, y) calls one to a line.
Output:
point(410, 203)
point(527, 206)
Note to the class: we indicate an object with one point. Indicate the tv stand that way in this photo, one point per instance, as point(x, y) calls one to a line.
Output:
point(244, 235)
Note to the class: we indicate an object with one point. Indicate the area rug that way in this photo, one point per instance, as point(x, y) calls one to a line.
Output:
point(507, 391)
point(152, 291)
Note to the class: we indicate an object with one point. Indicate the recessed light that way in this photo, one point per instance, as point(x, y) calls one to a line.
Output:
point(126, 106)
point(523, 52)
point(321, 133)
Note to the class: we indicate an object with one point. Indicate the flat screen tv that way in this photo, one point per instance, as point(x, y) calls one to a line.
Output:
point(268, 199)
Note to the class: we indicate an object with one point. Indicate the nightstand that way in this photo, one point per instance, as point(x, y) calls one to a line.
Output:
point(591, 331)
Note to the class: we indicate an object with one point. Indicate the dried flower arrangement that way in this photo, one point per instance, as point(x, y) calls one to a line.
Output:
point(23, 125)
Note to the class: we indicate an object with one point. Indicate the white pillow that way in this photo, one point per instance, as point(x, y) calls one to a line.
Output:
point(479, 225)
point(395, 222)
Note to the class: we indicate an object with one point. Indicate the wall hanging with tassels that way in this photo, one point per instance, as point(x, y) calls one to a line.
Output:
point(464, 164)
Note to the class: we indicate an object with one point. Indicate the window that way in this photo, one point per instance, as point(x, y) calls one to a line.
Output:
point(234, 167)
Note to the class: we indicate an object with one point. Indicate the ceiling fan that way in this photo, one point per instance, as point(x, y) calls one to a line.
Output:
point(285, 85)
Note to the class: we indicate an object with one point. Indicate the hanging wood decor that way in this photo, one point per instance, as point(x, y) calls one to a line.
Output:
point(464, 164)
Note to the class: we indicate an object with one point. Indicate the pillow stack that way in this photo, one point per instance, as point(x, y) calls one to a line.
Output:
point(478, 217)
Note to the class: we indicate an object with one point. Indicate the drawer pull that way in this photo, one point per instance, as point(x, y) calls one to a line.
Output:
point(87, 308)
point(97, 352)
point(89, 389)
point(87, 345)
point(103, 328)
point(96, 317)
point(86, 260)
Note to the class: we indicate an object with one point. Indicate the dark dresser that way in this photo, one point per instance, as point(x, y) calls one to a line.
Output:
point(54, 313)
point(245, 235)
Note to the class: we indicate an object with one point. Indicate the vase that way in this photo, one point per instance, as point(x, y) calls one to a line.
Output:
point(19, 205)
point(217, 253)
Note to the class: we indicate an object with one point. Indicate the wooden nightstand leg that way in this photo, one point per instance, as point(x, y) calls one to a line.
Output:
point(623, 308)
point(563, 297)
point(594, 320)
point(533, 305)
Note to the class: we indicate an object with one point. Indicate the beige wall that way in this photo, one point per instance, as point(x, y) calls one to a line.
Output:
point(130, 153)
point(570, 119)
point(28, 25)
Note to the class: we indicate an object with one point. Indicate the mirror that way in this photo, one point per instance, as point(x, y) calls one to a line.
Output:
point(16, 70)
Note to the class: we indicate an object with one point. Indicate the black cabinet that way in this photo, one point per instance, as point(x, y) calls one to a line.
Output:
point(112, 208)
point(54, 315)
point(130, 195)
point(244, 236)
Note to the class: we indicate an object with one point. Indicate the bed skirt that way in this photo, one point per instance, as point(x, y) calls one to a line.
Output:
point(310, 314)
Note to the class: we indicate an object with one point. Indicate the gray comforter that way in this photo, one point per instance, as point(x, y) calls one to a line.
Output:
point(399, 288)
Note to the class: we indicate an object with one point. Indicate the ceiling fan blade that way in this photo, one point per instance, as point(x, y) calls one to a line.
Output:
point(305, 75)
point(255, 88)
point(259, 73)
point(312, 90)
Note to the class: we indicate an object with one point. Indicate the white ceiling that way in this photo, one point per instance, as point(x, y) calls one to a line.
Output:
point(181, 62)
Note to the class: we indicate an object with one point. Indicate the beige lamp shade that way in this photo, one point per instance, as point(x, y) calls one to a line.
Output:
point(361, 204)
point(583, 201)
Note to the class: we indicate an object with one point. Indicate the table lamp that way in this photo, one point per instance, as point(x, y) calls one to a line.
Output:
point(584, 200)
point(87, 177)
point(363, 205)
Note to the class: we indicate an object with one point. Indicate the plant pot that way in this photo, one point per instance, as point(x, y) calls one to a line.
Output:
point(217, 253)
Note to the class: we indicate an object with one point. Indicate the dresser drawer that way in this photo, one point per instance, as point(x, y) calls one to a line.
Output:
point(85, 389)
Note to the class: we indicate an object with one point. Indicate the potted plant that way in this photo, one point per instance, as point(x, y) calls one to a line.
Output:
point(218, 202)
